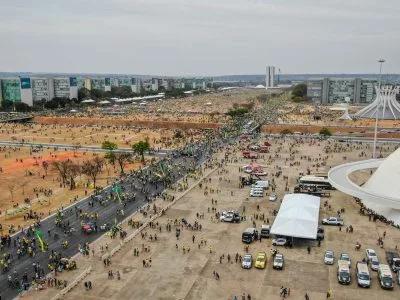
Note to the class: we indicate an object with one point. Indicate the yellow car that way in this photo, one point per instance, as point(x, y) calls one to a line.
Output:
point(261, 260)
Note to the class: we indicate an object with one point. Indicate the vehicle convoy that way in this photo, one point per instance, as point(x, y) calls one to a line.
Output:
point(362, 274)
point(385, 277)
point(343, 272)
point(393, 260)
point(333, 221)
point(249, 235)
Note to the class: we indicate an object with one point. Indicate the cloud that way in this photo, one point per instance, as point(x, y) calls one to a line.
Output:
point(198, 37)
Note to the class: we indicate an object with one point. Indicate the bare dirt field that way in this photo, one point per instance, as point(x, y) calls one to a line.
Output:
point(176, 273)
point(71, 134)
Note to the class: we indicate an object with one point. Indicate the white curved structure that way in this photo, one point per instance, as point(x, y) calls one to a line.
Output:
point(386, 104)
point(342, 107)
point(382, 190)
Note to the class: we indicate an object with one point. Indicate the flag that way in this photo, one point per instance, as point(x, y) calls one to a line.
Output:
point(39, 235)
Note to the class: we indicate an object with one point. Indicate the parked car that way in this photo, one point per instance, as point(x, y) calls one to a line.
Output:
point(247, 261)
point(232, 217)
point(329, 257)
point(261, 260)
point(374, 263)
point(370, 254)
point(249, 235)
point(345, 257)
point(279, 242)
point(272, 197)
point(333, 221)
point(278, 261)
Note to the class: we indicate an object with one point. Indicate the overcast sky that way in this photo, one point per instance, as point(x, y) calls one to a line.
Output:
point(199, 37)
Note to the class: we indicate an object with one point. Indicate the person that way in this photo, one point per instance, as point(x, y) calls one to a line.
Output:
point(306, 297)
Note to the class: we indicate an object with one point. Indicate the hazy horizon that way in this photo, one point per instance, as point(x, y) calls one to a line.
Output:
point(193, 38)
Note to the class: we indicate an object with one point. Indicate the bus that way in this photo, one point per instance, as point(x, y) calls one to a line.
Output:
point(317, 182)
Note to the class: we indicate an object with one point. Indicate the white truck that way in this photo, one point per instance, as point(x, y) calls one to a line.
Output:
point(261, 184)
point(333, 221)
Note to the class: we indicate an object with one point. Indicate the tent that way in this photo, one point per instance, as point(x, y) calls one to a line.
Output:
point(104, 102)
point(298, 216)
point(88, 101)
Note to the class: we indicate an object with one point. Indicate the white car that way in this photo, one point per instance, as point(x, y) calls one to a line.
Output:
point(329, 257)
point(224, 214)
point(279, 242)
point(247, 261)
point(272, 197)
point(374, 263)
point(278, 261)
point(256, 193)
point(345, 257)
point(370, 254)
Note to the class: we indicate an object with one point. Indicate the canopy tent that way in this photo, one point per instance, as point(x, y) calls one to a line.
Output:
point(88, 101)
point(104, 102)
point(298, 216)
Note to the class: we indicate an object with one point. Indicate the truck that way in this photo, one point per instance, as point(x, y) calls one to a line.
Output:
point(393, 260)
point(261, 184)
point(333, 221)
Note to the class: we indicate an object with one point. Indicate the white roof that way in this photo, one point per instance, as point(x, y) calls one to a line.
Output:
point(88, 101)
point(298, 216)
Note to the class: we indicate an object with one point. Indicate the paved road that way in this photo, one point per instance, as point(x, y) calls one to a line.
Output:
point(72, 147)
point(108, 214)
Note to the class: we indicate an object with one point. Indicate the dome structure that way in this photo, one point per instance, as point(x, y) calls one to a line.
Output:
point(381, 192)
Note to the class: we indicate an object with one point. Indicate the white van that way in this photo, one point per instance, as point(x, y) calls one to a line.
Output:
point(362, 274)
point(385, 277)
point(343, 272)
point(256, 193)
point(261, 184)
point(265, 231)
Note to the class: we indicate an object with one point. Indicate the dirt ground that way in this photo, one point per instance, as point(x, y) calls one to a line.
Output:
point(20, 178)
point(94, 135)
point(175, 274)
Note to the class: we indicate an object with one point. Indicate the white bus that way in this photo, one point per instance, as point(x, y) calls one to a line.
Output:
point(309, 181)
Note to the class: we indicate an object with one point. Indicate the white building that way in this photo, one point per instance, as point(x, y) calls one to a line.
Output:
point(270, 77)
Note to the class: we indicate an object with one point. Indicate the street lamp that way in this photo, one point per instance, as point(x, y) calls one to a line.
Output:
point(380, 61)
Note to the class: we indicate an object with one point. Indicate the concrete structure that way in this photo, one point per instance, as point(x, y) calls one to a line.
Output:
point(42, 89)
point(65, 87)
point(381, 192)
point(270, 77)
point(328, 90)
point(385, 106)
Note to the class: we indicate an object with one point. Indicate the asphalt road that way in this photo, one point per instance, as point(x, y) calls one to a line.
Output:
point(107, 213)
point(72, 147)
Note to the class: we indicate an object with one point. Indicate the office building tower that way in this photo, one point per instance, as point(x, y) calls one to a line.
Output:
point(270, 77)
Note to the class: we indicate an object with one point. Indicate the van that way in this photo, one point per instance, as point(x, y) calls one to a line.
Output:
point(249, 235)
point(256, 193)
point(343, 272)
point(385, 277)
point(265, 230)
point(362, 274)
point(261, 183)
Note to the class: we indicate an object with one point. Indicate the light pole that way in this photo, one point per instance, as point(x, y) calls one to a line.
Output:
point(380, 61)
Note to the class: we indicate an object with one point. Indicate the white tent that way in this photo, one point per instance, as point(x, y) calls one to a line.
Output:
point(88, 101)
point(298, 216)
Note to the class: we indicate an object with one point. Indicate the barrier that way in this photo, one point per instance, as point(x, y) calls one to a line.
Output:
point(72, 284)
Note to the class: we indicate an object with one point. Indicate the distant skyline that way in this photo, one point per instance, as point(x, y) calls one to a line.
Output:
point(199, 38)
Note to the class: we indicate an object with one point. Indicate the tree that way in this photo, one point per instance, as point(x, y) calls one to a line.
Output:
point(325, 131)
point(92, 168)
point(114, 156)
point(300, 90)
point(72, 172)
point(239, 112)
point(22, 107)
point(62, 167)
point(11, 188)
point(141, 147)
point(83, 93)
point(7, 104)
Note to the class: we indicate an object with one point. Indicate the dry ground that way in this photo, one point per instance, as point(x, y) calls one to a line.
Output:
point(175, 275)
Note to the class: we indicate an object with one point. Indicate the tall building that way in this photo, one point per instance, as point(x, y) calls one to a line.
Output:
point(65, 87)
point(42, 89)
point(335, 90)
point(270, 77)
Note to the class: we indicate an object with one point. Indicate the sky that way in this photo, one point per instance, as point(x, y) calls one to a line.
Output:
point(199, 37)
